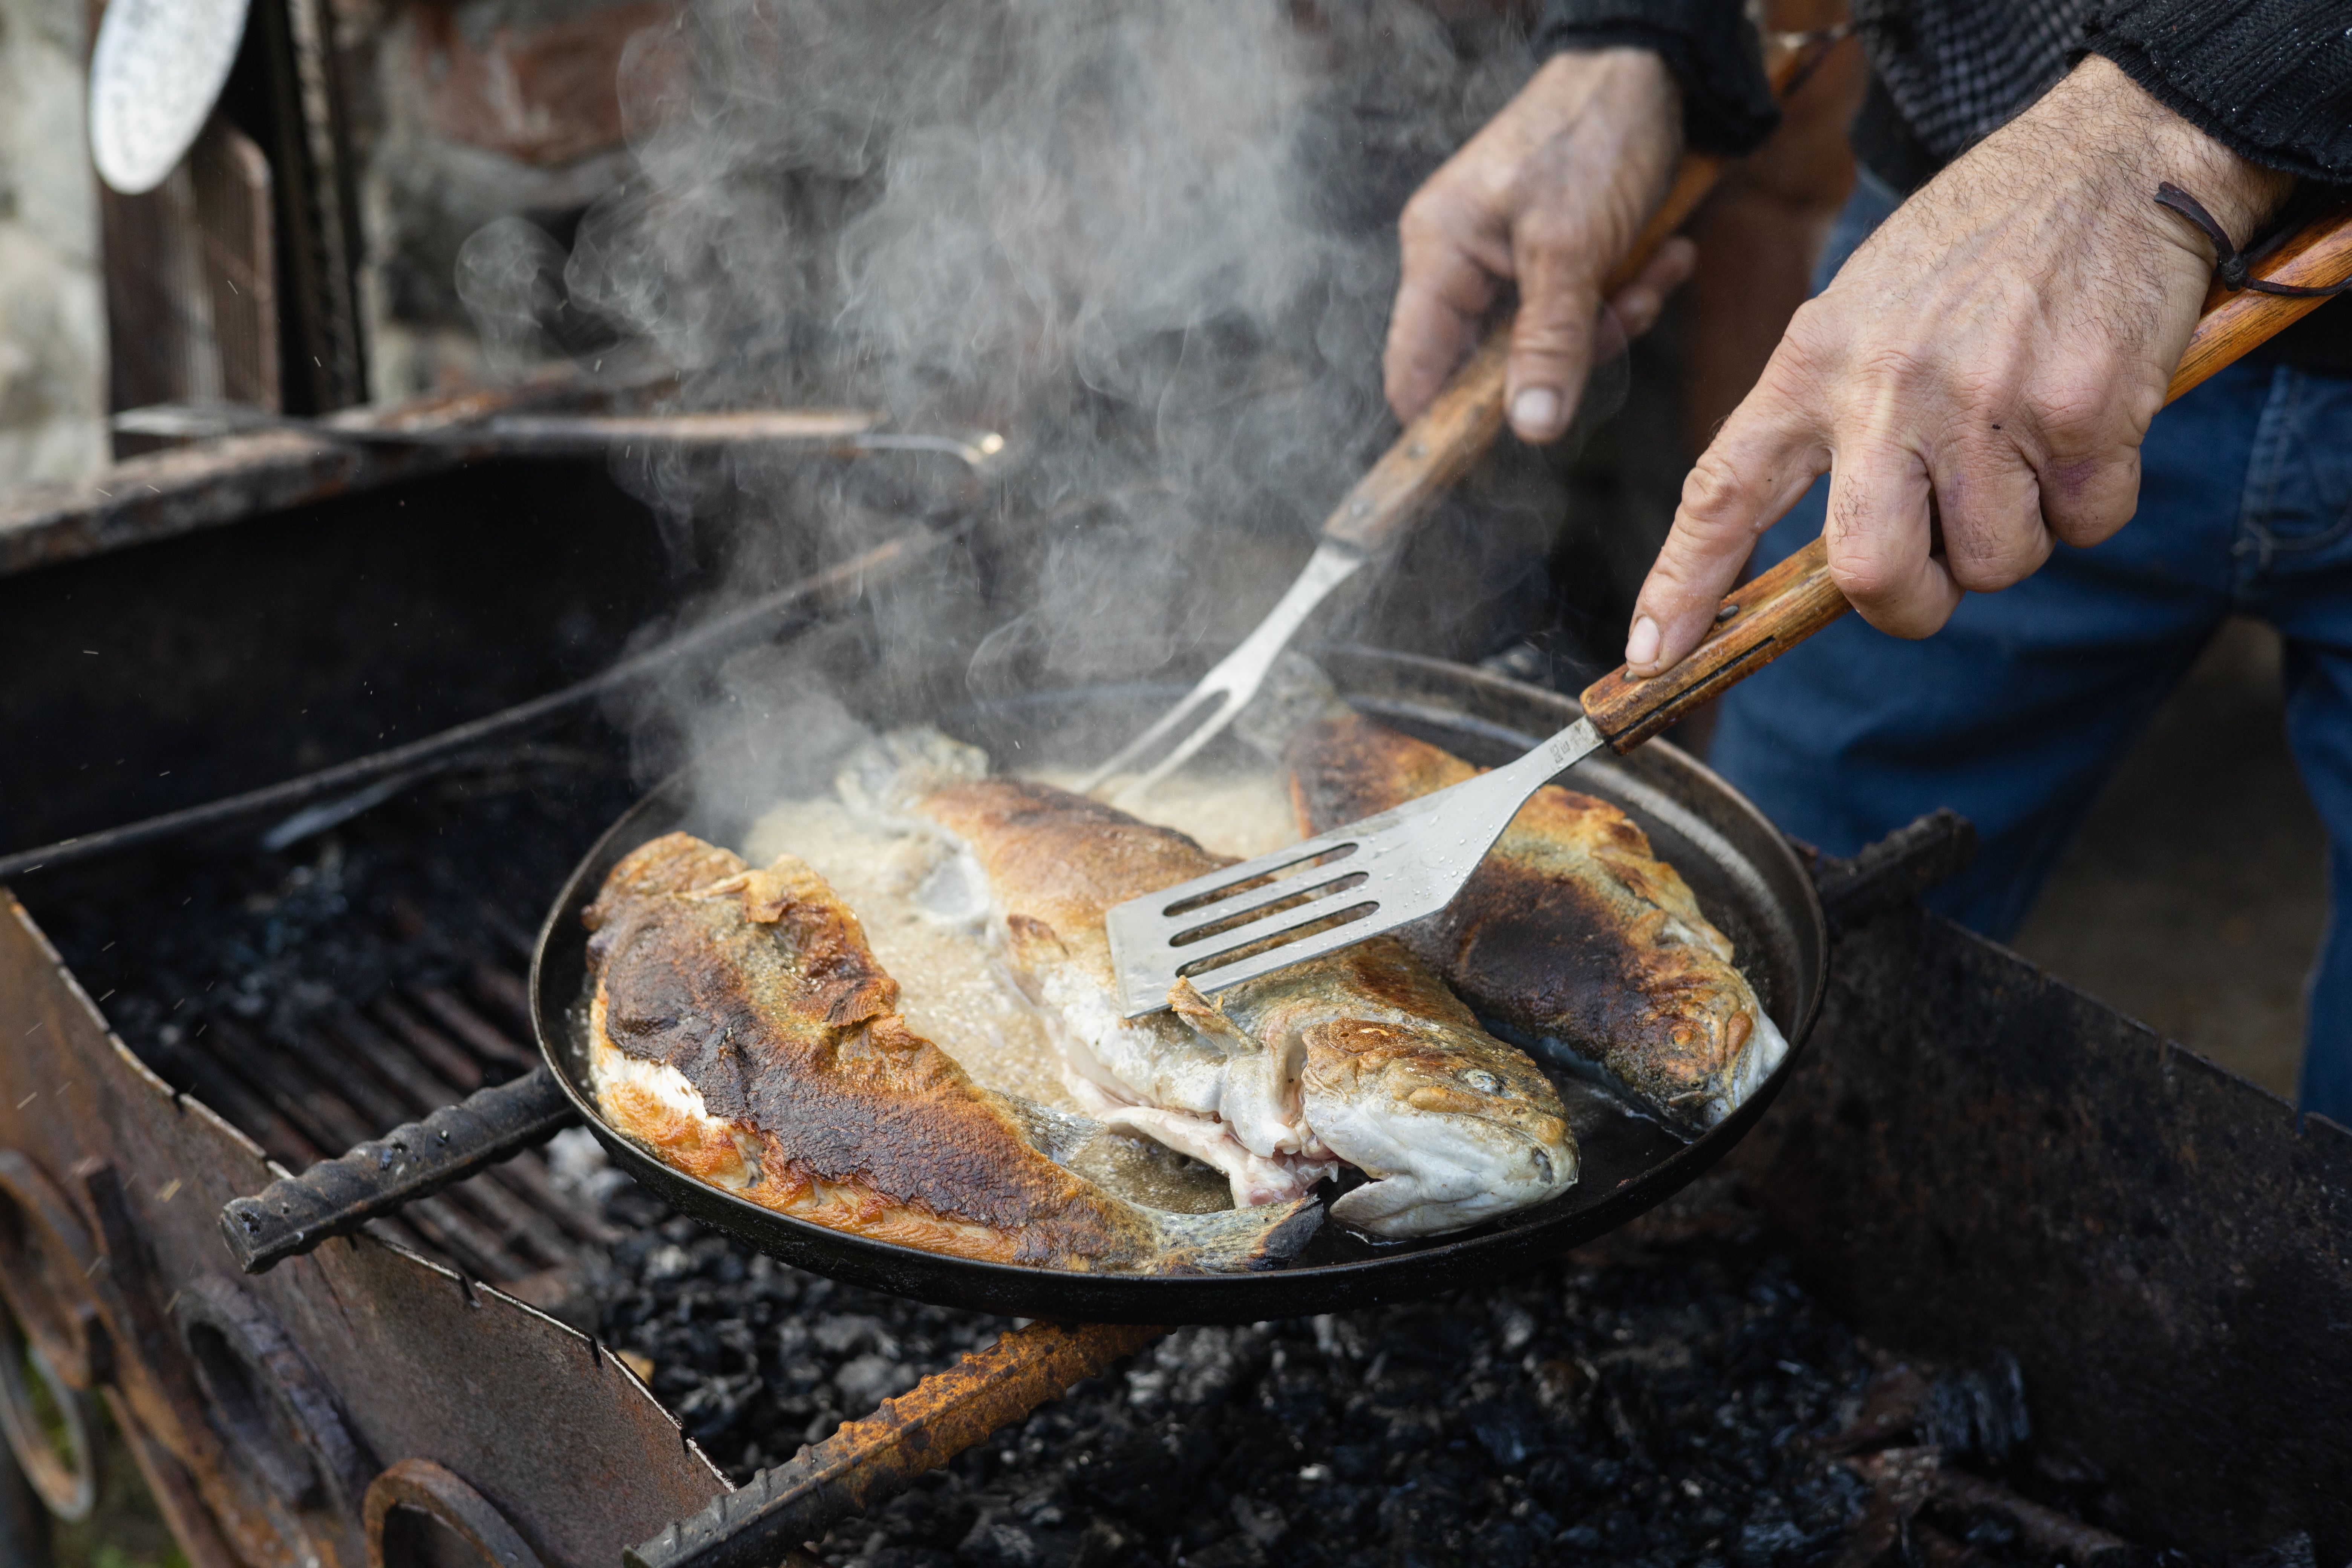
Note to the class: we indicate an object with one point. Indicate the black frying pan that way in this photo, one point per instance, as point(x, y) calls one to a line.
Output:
point(1747, 880)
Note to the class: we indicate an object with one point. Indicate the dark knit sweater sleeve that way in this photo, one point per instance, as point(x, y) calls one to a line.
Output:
point(1726, 104)
point(2271, 80)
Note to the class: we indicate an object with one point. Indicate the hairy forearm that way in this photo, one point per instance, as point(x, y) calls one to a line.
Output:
point(2098, 116)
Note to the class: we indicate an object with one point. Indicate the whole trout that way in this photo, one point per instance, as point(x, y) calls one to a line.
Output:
point(1571, 932)
point(741, 1029)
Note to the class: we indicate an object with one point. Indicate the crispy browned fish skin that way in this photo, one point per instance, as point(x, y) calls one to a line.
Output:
point(759, 988)
point(1071, 856)
point(1555, 935)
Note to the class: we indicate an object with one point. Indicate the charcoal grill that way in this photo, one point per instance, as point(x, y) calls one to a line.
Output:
point(1974, 1161)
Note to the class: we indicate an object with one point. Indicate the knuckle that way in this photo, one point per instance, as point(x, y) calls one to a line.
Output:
point(1900, 365)
point(1420, 218)
point(1713, 486)
point(1811, 341)
point(1437, 219)
point(1549, 334)
point(1989, 571)
point(2086, 499)
point(1798, 366)
point(2073, 417)
point(1692, 560)
point(1544, 230)
point(2085, 528)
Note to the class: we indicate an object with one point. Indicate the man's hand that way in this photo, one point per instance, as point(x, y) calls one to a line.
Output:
point(1979, 375)
point(1551, 194)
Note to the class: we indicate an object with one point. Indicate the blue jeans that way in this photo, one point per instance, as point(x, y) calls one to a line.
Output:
point(2020, 708)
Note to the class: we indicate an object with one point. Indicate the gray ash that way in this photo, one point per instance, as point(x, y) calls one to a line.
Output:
point(1656, 1407)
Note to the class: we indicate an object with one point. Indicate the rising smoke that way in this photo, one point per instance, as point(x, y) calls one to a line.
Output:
point(1150, 241)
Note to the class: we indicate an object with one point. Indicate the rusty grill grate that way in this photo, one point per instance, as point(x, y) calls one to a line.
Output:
point(367, 1070)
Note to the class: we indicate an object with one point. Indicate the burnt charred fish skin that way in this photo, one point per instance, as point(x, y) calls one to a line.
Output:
point(1363, 1057)
point(1571, 932)
point(740, 1028)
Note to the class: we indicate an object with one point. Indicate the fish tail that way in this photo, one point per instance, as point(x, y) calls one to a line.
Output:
point(1232, 1241)
point(1766, 1048)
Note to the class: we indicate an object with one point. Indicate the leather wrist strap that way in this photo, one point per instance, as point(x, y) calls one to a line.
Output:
point(2231, 268)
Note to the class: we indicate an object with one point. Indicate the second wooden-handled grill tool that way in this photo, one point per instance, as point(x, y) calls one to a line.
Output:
point(1434, 451)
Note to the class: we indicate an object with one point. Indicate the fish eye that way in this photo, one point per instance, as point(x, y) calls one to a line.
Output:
point(1482, 1080)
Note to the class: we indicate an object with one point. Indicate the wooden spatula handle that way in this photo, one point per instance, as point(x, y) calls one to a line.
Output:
point(1756, 624)
point(2316, 256)
point(1779, 609)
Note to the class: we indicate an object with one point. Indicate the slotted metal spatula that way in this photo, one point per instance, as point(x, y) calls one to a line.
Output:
point(1385, 871)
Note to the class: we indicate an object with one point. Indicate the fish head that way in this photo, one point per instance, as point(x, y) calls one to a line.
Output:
point(884, 778)
point(1705, 1031)
point(1453, 1126)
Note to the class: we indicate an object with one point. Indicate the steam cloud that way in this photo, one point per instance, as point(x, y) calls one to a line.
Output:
point(1151, 241)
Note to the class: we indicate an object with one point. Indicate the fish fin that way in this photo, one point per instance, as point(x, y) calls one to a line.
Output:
point(1056, 1134)
point(1216, 1243)
point(674, 863)
point(1208, 1019)
point(1235, 1240)
point(955, 891)
point(1030, 942)
point(1764, 1050)
point(1254, 1179)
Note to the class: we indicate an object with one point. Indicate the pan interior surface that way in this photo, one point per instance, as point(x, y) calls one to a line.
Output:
point(1746, 878)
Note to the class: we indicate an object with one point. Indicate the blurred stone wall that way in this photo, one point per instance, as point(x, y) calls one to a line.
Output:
point(52, 310)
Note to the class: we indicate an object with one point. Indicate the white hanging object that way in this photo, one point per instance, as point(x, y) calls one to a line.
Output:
point(154, 76)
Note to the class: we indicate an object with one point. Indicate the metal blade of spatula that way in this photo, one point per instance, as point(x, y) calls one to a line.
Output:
point(1434, 451)
point(1337, 889)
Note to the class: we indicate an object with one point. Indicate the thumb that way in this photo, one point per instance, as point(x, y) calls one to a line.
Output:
point(1765, 457)
point(1552, 340)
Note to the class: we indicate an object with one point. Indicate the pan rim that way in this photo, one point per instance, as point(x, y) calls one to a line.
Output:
point(1415, 1269)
